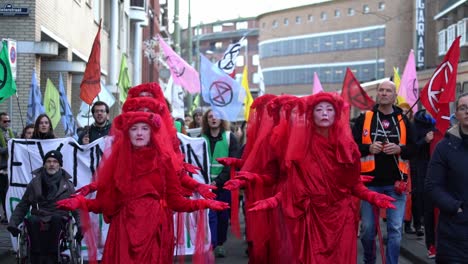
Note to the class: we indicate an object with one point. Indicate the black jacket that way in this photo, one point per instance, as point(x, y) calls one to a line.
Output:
point(34, 199)
point(423, 123)
point(386, 168)
point(95, 132)
point(446, 182)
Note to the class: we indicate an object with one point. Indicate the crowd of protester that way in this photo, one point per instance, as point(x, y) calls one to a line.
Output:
point(309, 179)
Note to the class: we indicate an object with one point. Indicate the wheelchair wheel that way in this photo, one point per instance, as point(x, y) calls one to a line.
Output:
point(22, 256)
point(73, 245)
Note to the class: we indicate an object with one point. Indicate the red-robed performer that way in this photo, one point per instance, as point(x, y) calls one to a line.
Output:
point(323, 176)
point(148, 97)
point(134, 188)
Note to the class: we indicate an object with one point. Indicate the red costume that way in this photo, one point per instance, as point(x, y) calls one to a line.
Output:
point(317, 177)
point(137, 195)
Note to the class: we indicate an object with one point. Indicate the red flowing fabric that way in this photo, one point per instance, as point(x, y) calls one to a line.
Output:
point(142, 187)
point(317, 198)
point(265, 229)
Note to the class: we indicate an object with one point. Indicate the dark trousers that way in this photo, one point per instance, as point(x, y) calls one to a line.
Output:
point(219, 220)
point(417, 207)
point(429, 221)
point(44, 239)
point(3, 190)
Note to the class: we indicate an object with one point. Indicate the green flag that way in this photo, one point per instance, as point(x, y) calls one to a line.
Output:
point(7, 83)
point(124, 80)
point(195, 103)
point(52, 103)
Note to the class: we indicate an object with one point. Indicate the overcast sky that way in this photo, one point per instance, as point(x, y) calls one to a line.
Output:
point(208, 11)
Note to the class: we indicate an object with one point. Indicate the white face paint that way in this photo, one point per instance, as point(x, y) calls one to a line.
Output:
point(324, 115)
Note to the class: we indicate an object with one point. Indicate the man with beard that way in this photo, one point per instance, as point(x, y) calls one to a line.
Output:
point(101, 125)
point(50, 184)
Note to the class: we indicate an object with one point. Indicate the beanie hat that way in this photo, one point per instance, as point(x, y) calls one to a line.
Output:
point(53, 154)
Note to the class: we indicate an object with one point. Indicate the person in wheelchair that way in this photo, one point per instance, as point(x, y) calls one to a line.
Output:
point(50, 184)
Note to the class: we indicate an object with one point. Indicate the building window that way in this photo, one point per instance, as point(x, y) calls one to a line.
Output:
point(275, 24)
point(217, 28)
point(442, 47)
point(350, 12)
point(323, 16)
point(337, 13)
point(365, 9)
point(219, 45)
point(462, 30)
point(97, 10)
point(255, 60)
point(256, 78)
point(240, 61)
point(242, 25)
point(298, 20)
point(451, 33)
point(263, 25)
point(310, 18)
point(381, 6)
point(286, 21)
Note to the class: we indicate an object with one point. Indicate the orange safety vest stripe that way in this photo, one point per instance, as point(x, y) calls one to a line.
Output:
point(368, 162)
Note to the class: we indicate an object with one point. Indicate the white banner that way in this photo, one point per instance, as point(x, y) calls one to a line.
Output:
point(81, 161)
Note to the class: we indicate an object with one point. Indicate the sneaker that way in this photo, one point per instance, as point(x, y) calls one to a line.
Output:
point(419, 232)
point(219, 252)
point(409, 229)
point(431, 253)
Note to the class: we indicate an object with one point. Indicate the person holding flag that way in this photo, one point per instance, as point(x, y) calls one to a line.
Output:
point(386, 143)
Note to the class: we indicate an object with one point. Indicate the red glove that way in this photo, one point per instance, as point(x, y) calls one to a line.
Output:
point(212, 204)
point(85, 190)
point(383, 201)
point(205, 191)
point(378, 199)
point(190, 168)
point(73, 203)
point(234, 162)
point(250, 176)
point(234, 184)
point(266, 204)
point(366, 178)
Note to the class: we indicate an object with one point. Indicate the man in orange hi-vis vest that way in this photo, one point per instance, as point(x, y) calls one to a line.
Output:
point(385, 139)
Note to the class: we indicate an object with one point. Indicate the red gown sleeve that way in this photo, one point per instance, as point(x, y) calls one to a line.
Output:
point(188, 182)
point(174, 197)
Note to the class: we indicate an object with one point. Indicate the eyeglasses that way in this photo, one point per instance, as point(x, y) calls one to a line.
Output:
point(462, 108)
point(6, 121)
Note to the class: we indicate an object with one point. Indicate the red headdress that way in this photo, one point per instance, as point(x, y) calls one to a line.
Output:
point(339, 134)
point(114, 180)
point(152, 88)
point(145, 104)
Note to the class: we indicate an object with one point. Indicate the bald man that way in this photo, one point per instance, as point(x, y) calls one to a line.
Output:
point(385, 139)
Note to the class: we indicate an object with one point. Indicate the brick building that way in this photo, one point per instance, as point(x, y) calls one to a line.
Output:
point(56, 37)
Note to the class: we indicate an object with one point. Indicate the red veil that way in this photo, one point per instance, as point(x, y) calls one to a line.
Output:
point(317, 192)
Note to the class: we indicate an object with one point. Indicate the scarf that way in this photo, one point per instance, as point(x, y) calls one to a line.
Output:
point(51, 184)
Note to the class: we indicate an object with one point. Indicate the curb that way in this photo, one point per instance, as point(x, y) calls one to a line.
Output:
point(408, 254)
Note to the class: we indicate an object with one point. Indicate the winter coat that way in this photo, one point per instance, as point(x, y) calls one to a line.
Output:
point(423, 123)
point(34, 199)
point(446, 181)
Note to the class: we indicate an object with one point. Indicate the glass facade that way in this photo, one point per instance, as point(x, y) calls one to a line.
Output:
point(366, 38)
point(327, 73)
